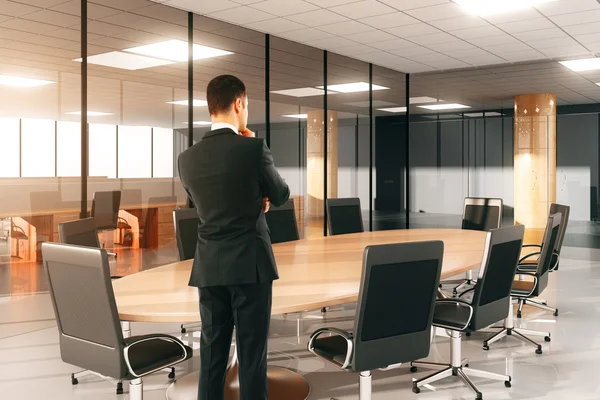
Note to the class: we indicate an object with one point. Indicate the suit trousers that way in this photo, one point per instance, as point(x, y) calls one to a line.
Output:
point(248, 308)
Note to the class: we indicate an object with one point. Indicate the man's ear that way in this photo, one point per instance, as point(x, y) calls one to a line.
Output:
point(237, 105)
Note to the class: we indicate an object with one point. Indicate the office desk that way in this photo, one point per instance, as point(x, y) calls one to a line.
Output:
point(314, 273)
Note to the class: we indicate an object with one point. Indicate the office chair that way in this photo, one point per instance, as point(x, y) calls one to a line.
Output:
point(403, 277)
point(17, 233)
point(105, 210)
point(282, 223)
point(479, 214)
point(344, 216)
point(88, 322)
point(526, 289)
point(186, 232)
point(81, 232)
point(491, 299)
point(528, 264)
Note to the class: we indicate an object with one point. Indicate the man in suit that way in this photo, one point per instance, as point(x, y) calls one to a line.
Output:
point(231, 178)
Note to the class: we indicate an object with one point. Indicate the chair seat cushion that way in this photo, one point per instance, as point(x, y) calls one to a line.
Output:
point(522, 288)
point(332, 348)
point(154, 353)
point(451, 316)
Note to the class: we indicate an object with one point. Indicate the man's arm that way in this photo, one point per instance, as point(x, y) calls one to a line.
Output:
point(271, 183)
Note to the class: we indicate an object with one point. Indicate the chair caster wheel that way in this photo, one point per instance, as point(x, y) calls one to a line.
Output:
point(413, 369)
point(172, 374)
point(507, 384)
point(538, 350)
point(468, 334)
point(324, 310)
point(547, 338)
point(74, 381)
point(466, 365)
point(556, 313)
point(479, 397)
point(416, 390)
point(120, 388)
point(519, 315)
point(486, 347)
point(183, 330)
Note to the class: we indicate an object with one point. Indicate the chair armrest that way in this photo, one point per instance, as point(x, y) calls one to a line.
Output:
point(461, 303)
point(532, 245)
point(345, 334)
point(537, 253)
point(164, 337)
point(466, 291)
point(553, 268)
point(111, 254)
point(535, 281)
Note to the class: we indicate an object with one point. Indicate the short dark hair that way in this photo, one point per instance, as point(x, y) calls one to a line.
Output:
point(222, 92)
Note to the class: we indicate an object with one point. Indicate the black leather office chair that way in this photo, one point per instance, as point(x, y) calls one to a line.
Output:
point(88, 322)
point(344, 216)
point(282, 223)
point(402, 278)
point(489, 305)
point(525, 289)
point(105, 209)
point(186, 232)
point(479, 214)
point(81, 232)
point(530, 262)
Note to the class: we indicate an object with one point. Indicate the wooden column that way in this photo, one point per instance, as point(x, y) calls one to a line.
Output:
point(315, 156)
point(535, 162)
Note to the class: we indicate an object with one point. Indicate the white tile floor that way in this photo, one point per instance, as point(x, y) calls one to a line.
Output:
point(31, 368)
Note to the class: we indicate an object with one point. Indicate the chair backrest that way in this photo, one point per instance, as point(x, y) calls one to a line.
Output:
point(548, 244)
point(84, 306)
point(482, 214)
point(491, 297)
point(186, 231)
point(344, 216)
point(105, 208)
point(282, 223)
point(395, 303)
point(80, 232)
point(564, 211)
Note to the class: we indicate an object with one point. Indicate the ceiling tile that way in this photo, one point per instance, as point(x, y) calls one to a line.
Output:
point(391, 20)
point(479, 32)
point(247, 2)
point(204, 6)
point(354, 50)
point(457, 23)
point(590, 38)
point(306, 34)
point(410, 4)
point(466, 52)
point(16, 9)
point(523, 55)
point(566, 7)
point(12, 34)
point(411, 51)
point(330, 3)
point(556, 42)
point(577, 18)
point(434, 38)
point(566, 51)
point(583, 29)
point(54, 18)
point(28, 26)
point(346, 28)
point(483, 60)
point(525, 26)
point(330, 43)
point(371, 37)
point(486, 42)
point(41, 3)
point(242, 15)
point(441, 11)
point(366, 8)
point(413, 30)
point(540, 34)
point(275, 26)
point(521, 15)
point(451, 46)
point(284, 8)
point(392, 44)
point(317, 18)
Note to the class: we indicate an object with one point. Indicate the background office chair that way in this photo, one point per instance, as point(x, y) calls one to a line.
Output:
point(81, 232)
point(17, 233)
point(479, 214)
point(402, 278)
point(105, 210)
point(186, 232)
point(526, 289)
point(88, 322)
point(489, 305)
point(282, 223)
point(530, 262)
point(344, 216)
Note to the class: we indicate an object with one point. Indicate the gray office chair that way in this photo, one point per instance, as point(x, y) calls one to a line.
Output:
point(282, 223)
point(479, 214)
point(186, 223)
point(522, 289)
point(88, 322)
point(344, 216)
point(105, 209)
point(81, 232)
point(402, 278)
point(530, 261)
point(489, 305)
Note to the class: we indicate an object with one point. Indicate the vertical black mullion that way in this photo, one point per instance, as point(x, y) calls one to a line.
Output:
point(439, 143)
point(356, 163)
point(598, 158)
point(407, 150)
point(190, 87)
point(370, 147)
point(502, 116)
point(484, 143)
point(84, 111)
point(268, 88)
point(468, 158)
point(325, 142)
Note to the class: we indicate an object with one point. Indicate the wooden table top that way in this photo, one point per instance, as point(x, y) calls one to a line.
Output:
point(313, 273)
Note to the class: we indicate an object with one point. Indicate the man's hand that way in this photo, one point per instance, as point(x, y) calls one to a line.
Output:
point(266, 205)
point(248, 133)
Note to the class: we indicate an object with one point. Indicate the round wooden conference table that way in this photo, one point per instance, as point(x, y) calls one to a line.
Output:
point(314, 273)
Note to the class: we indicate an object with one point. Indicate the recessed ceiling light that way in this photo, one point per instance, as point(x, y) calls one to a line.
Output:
point(480, 114)
point(177, 50)
point(489, 7)
point(354, 87)
point(393, 109)
point(449, 106)
point(196, 103)
point(586, 64)
point(298, 116)
point(90, 113)
point(202, 123)
point(422, 99)
point(300, 92)
point(118, 59)
point(22, 82)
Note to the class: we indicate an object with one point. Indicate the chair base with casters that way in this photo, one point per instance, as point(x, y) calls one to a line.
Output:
point(191, 327)
point(461, 283)
point(458, 367)
point(510, 330)
point(75, 378)
point(534, 303)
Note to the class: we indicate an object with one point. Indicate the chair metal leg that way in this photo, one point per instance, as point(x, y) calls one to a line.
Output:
point(365, 386)
point(487, 375)
point(528, 341)
point(136, 389)
point(532, 333)
point(543, 307)
point(191, 326)
point(437, 376)
point(469, 383)
point(520, 310)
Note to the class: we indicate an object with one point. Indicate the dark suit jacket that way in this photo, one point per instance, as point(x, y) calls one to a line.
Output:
point(227, 176)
